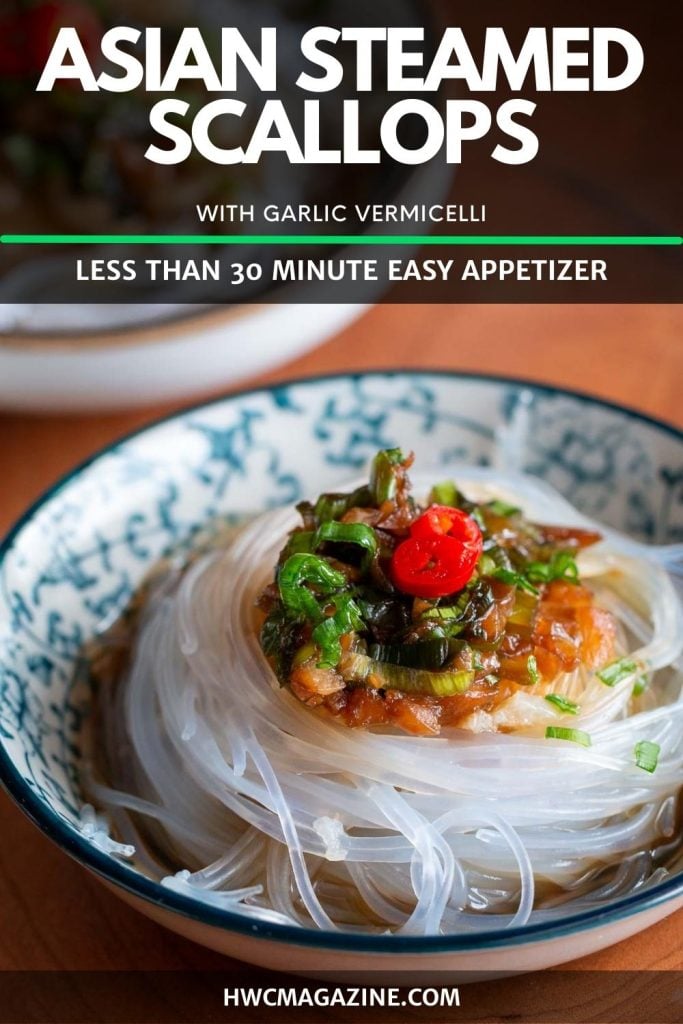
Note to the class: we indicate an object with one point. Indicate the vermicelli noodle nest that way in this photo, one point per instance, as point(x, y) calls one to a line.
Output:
point(234, 792)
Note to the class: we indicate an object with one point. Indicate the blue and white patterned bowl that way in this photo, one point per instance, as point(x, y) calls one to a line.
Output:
point(76, 557)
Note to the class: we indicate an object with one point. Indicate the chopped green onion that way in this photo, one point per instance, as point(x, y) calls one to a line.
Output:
point(445, 493)
point(333, 506)
point(303, 654)
point(298, 573)
point(617, 671)
point(381, 675)
point(300, 542)
point(347, 614)
point(647, 755)
point(442, 612)
point(503, 509)
point(449, 616)
point(486, 566)
point(523, 611)
point(498, 554)
point(326, 637)
point(327, 634)
point(475, 514)
point(563, 703)
point(562, 566)
point(348, 533)
point(557, 732)
point(532, 669)
point(515, 579)
point(640, 686)
point(383, 478)
point(330, 506)
point(431, 654)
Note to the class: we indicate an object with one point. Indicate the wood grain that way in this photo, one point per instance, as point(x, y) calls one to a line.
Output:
point(52, 914)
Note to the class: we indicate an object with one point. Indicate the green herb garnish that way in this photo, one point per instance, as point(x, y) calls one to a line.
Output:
point(640, 686)
point(475, 513)
point(432, 654)
point(444, 612)
point(558, 732)
point(532, 669)
point(326, 637)
point(503, 509)
point(383, 477)
point(561, 566)
point(563, 703)
point(647, 755)
point(334, 506)
point(327, 634)
point(348, 533)
point(515, 579)
point(445, 493)
point(299, 573)
point(300, 542)
point(486, 566)
point(617, 671)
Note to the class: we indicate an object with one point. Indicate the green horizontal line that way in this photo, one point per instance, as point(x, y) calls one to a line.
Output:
point(421, 240)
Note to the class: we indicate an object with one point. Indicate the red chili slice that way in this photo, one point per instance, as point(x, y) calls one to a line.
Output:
point(440, 520)
point(432, 567)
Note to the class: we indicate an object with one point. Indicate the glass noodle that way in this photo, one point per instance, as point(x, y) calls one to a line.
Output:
point(235, 793)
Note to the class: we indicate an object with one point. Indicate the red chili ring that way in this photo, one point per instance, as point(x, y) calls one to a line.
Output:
point(433, 567)
point(441, 520)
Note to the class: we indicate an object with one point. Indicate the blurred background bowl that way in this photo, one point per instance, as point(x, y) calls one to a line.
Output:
point(199, 351)
point(58, 353)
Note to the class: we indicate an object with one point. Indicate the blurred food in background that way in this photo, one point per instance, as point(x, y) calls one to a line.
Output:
point(72, 162)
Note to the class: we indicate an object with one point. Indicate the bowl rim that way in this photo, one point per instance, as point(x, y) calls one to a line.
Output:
point(123, 876)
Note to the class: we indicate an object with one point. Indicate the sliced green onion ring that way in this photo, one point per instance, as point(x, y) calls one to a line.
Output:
point(445, 493)
point(563, 703)
point(647, 755)
point(503, 509)
point(558, 732)
point(348, 533)
point(617, 671)
point(298, 573)
point(383, 478)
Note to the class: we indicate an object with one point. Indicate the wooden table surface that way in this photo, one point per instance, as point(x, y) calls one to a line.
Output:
point(52, 914)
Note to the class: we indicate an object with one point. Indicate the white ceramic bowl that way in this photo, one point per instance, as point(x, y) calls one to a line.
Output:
point(78, 554)
point(154, 362)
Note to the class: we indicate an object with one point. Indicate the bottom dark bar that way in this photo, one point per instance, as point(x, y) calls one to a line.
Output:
point(566, 997)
